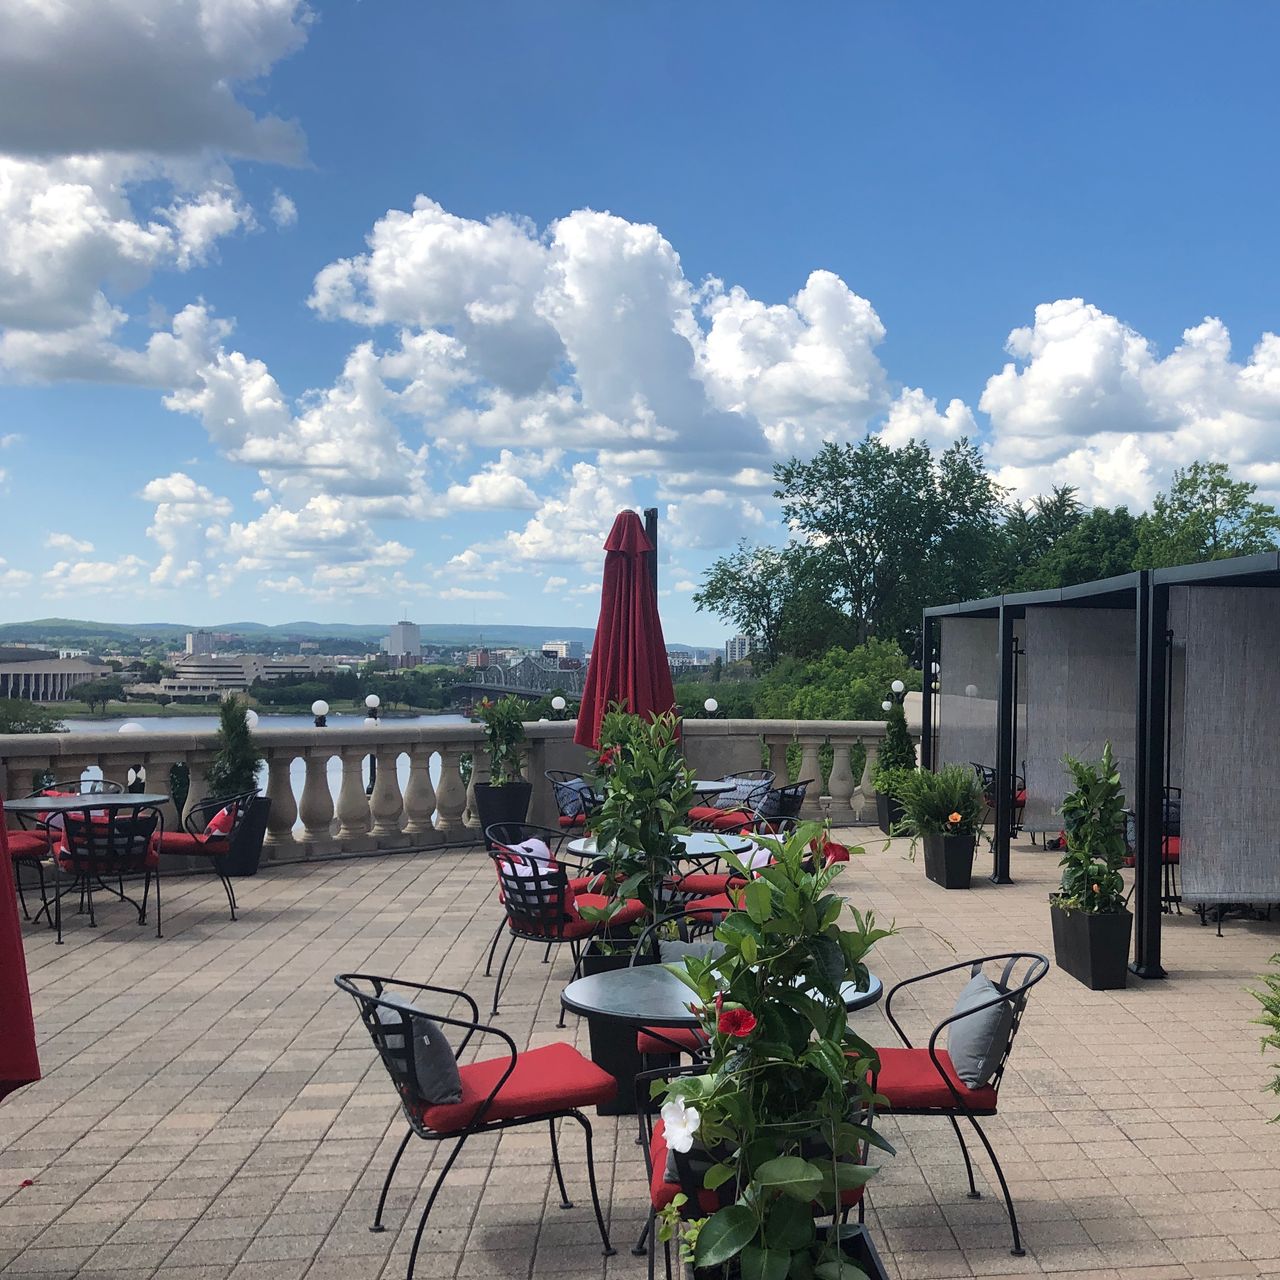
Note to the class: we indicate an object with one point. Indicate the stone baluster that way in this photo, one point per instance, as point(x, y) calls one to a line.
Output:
point(354, 820)
point(810, 767)
point(451, 797)
point(284, 807)
point(420, 798)
point(386, 804)
point(866, 787)
point(316, 807)
point(198, 782)
point(480, 772)
point(778, 760)
point(841, 785)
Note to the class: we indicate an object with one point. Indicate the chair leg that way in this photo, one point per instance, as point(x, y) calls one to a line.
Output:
point(640, 1248)
point(493, 947)
point(17, 884)
point(146, 893)
point(226, 884)
point(157, 875)
point(57, 901)
point(502, 970)
point(431, 1199)
point(386, 1186)
point(1018, 1251)
point(565, 1202)
point(974, 1193)
point(652, 1251)
point(609, 1250)
point(546, 955)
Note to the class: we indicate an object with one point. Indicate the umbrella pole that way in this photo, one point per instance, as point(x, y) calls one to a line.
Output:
point(651, 532)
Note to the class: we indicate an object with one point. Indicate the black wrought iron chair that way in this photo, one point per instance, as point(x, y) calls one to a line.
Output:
point(687, 926)
point(732, 810)
point(99, 846)
point(575, 798)
point(923, 1081)
point(211, 830)
point(778, 803)
point(538, 1086)
point(987, 779)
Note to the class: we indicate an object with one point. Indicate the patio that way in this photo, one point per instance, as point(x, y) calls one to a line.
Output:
point(211, 1108)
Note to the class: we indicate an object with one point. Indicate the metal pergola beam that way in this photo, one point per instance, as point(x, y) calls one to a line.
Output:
point(1006, 710)
point(1153, 674)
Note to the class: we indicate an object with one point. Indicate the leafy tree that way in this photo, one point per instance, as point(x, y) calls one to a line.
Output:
point(1205, 515)
point(99, 692)
point(736, 697)
point(17, 715)
point(235, 765)
point(749, 588)
point(1103, 544)
point(844, 684)
point(1030, 533)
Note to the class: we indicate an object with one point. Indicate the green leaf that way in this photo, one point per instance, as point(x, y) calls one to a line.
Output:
point(849, 1176)
point(764, 1264)
point(718, 1175)
point(789, 1224)
point(841, 1270)
point(791, 1175)
point(758, 898)
point(727, 1232)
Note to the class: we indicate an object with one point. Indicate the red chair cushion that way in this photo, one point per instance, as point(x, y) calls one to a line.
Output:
point(629, 914)
point(704, 883)
point(179, 842)
point(28, 844)
point(661, 1192)
point(1020, 799)
point(577, 820)
point(733, 821)
point(909, 1079)
point(717, 903)
point(670, 1040)
point(73, 866)
point(705, 813)
point(545, 1081)
point(221, 822)
point(1173, 848)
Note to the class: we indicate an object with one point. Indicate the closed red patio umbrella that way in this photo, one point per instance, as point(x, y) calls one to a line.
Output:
point(18, 1062)
point(629, 657)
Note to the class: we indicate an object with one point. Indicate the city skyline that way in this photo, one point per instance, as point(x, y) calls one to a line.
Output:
point(298, 353)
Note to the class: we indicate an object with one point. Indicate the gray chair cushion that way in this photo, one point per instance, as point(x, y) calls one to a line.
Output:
point(673, 950)
point(435, 1069)
point(977, 1042)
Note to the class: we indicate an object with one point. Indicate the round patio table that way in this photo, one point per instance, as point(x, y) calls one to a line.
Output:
point(90, 800)
point(706, 787)
point(697, 844)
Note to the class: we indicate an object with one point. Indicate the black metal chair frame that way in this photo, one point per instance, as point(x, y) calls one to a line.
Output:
point(1170, 892)
point(1015, 996)
point(987, 780)
point(77, 786)
point(587, 796)
point(780, 803)
point(115, 846)
point(195, 823)
point(398, 1060)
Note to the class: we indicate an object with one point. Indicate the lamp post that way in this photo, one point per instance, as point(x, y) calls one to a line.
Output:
point(320, 709)
point(372, 703)
point(558, 705)
point(897, 693)
point(251, 718)
point(711, 707)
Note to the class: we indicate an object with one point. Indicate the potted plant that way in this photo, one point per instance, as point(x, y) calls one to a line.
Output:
point(234, 772)
point(1270, 1001)
point(943, 811)
point(782, 1109)
point(1091, 925)
point(505, 797)
point(647, 788)
point(897, 756)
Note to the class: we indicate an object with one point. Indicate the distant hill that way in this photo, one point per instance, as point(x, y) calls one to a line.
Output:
point(496, 634)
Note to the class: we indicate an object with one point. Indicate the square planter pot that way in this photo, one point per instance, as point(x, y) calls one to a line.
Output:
point(1093, 948)
point(888, 812)
point(948, 860)
point(246, 849)
point(509, 803)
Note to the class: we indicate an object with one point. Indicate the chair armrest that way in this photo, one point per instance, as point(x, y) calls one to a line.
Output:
point(925, 977)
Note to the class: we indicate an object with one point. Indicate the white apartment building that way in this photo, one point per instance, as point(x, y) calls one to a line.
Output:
point(405, 640)
point(738, 648)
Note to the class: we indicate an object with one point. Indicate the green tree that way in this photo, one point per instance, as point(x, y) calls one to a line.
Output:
point(843, 684)
point(17, 715)
point(97, 693)
point(1028, 534)
point(1102, 545)
point(1205, 515)
point(235, 765)
point(749, 588)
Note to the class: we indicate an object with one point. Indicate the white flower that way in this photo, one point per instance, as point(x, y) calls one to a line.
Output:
point(680, 1124)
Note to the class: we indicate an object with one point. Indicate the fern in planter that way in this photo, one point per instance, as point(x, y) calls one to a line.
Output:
point(504, 735)
point(1270, 1001)
point(234, 770)
point(946, 803)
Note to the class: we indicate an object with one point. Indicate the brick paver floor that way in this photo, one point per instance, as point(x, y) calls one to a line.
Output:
point(211, 1109)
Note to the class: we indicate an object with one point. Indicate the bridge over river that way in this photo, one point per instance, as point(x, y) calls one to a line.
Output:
point(531, 677)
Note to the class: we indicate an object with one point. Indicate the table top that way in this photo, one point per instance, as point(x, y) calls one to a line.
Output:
point(95, 800)
point(697, 844)
point(649, 995)
point(712, 787)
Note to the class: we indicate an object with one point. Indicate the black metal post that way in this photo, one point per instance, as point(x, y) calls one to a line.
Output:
point(1006, 709)
point(1152, 676)
point(651, 532)
point(927, 729)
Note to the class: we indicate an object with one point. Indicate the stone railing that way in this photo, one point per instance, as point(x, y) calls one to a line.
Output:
point(316, 778)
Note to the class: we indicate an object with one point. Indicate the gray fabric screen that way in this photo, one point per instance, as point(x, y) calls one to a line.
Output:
point(1081, 681)
point(1231, 703)
point(969, 671)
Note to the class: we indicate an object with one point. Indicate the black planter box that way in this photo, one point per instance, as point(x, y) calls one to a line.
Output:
point(1092, 947)
point(888, 812)
point(948, 860)
point(246, 849)
point(855, 1244)
point(509, 803)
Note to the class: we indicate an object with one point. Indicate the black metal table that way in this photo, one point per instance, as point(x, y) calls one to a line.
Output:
point(619, 1002)
point(90, 800)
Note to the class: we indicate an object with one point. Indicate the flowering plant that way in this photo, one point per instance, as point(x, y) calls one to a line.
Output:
point(946, 803)
point(1093, 816)
point(783, 1105)
point(504, 733)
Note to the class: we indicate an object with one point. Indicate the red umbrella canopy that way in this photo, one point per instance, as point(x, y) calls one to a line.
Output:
point(18, 1062)
point(629, 658)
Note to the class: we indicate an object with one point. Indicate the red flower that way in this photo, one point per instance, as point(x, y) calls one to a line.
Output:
point(719, 1002)
point(736, 1022)
point(606, 757)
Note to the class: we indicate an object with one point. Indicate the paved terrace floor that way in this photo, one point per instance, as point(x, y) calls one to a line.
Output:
point(212, 1110)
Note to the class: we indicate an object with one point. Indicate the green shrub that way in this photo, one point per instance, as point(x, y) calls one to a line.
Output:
point(234, 770)
point(947, 803)
point(1093, 816)
point(1270, 1001)
point(897, 751)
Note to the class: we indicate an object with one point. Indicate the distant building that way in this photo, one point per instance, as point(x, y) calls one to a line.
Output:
point(48, 679)
point(201, 675)
point(739, 648)
point(73, 653)
point(405, 640)
point(562, 648)
point(678, 659)
point(199, 643)
point(478, 658)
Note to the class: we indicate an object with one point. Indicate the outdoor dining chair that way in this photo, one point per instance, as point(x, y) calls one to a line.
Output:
point(93, 849)
point(447, 1100)
point(541, 907)
point(962, 1081)
point(733, 810)
point(575, 798)
point(211, 830)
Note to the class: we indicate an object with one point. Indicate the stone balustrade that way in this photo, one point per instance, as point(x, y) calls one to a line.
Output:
point(316, 778)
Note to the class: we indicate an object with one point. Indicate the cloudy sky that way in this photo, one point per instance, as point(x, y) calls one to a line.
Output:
point(311, 309)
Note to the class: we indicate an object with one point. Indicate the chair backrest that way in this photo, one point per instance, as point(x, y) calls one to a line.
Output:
point(114, 842)
point(688, 925)
point(785, 801)
point(535, 896)
point(750, 786)
point(81, 787)
point(574, 796)
point(200, 815)
point(512, 833)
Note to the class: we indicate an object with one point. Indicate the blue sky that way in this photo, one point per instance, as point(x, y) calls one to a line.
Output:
point(244, 374)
